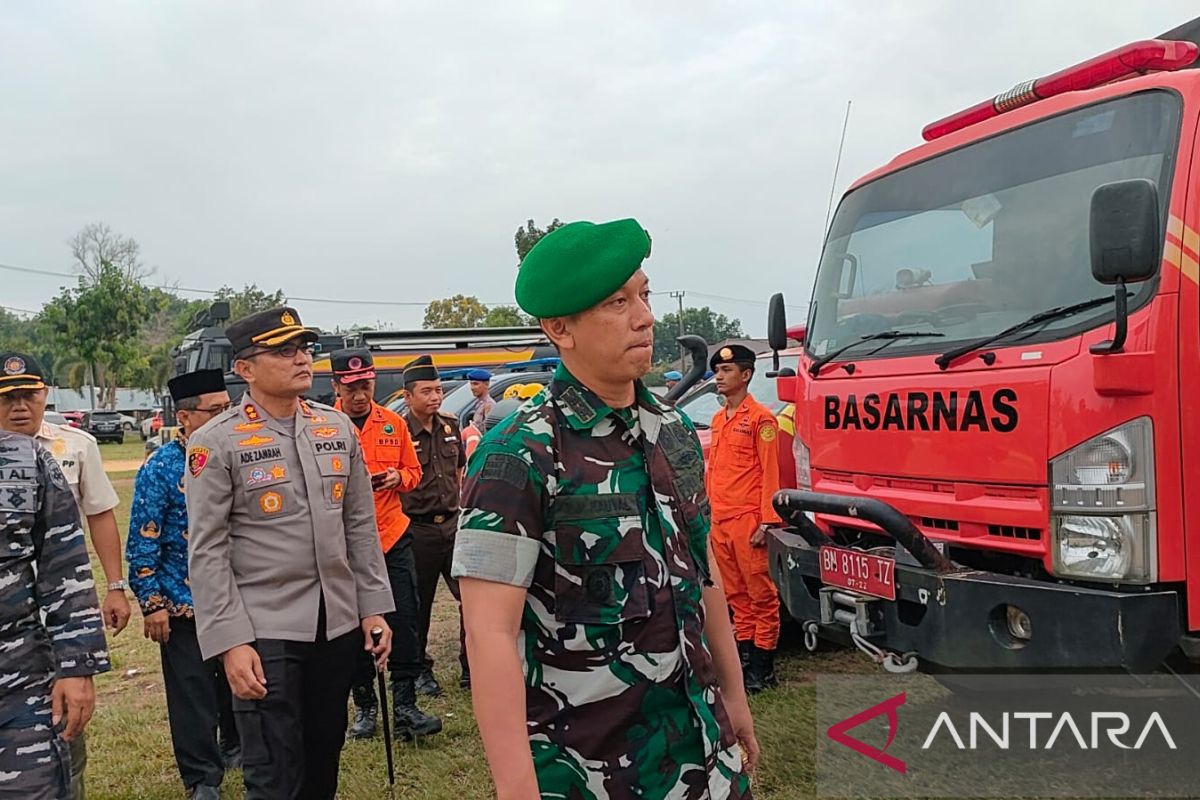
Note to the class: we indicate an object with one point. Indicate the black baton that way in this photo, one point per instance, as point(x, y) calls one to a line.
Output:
point(376, 635)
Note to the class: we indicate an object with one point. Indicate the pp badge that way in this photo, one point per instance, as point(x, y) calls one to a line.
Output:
point(198, 460)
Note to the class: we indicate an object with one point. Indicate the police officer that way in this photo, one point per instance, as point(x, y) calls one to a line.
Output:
point(287, 574)
point(672, 378)
point(743, 476)
point(433, 505)
point(392, 461)
point(51, 630)
point(23, 410)
point(481, 382)
point(198, 698)
point(583, 561)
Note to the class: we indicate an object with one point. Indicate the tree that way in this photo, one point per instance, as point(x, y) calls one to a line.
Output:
point(505, 317)
point(460, 311)
point(528, 236)
point(96, 245)
point(99, 322)
point(249, 299)
point(703, 322)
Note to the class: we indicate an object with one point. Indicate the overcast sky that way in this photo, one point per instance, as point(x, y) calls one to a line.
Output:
point(389, 150)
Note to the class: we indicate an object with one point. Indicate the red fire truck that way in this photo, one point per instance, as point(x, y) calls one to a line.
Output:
point(995, 427)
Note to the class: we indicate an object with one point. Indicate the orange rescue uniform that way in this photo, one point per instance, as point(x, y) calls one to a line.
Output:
point(742, 477)
point(386, 442)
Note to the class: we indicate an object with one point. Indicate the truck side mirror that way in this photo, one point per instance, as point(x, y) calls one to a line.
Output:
point(777, 335)
point(1126, 244)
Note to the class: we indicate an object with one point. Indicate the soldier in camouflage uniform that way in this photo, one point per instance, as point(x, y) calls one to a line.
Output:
point(46, 668)
point(603, 659)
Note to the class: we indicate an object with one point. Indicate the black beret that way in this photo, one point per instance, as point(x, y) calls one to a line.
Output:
point(20, 371)
point(733, 354)
point(194, 384)
point(420, 368)
point(270, 328)
point(352, 364)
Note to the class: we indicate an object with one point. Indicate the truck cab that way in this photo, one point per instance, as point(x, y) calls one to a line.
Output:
point(996, 390)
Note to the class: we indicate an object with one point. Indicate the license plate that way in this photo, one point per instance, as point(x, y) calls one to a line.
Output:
point(859, 572)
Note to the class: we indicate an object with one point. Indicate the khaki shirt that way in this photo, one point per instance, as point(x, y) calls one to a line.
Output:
point(78, 455)
point(278, 519)
point(443, 457)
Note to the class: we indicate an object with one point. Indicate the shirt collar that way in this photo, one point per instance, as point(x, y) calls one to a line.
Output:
point(46, 432)
point(583, 408)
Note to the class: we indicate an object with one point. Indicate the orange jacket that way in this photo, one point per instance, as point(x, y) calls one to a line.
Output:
point(743, 463)
point(386, 442)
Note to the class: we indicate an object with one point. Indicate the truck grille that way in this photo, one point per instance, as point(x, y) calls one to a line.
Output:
point(1014, 532)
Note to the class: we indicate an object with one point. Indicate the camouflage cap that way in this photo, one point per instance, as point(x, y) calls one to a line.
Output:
point(574, 267)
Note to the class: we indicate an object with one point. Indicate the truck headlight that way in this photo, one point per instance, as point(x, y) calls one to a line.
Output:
point(1103, 522)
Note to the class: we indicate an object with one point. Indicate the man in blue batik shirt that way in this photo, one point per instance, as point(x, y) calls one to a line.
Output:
point(198, 698)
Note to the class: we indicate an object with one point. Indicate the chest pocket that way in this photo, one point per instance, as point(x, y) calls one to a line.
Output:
point(335, 476)
point(600, 559)
point(268, 488)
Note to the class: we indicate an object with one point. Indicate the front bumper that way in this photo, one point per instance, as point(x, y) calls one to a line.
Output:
point(957, 620)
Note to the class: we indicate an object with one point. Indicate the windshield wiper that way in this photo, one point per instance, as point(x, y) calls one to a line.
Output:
point(891, 336)
point(1049, 314)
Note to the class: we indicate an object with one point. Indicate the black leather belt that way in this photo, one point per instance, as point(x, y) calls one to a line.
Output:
point(433, 519)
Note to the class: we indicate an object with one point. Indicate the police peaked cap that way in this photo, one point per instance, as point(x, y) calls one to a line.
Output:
point(271, 328)
point(573, 268)
point(194, 384)
point(420, 368)
point(733, 354)
point(20, 371)
point(352, 364)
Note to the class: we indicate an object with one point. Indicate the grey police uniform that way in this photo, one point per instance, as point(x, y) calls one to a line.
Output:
point(44, 569)
point(284, 554)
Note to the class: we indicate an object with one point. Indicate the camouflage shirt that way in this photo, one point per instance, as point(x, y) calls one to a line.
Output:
point(39, 525)
point(601, 514)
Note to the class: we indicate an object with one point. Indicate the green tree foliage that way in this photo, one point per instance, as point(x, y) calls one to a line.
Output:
point(528, 236)
point(703, 322)
point(460, 311)
point(249, 299)
point(99, 321)
point(505, 317)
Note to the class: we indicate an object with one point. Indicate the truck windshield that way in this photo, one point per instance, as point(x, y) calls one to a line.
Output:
point(975, 240)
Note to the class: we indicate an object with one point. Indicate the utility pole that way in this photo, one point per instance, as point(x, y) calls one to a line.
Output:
point(679, 296)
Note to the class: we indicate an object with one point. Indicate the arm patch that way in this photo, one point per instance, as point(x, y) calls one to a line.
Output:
point(505, 467)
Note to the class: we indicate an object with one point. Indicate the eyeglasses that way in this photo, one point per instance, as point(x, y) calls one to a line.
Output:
point(283, 351)
point(214, 409)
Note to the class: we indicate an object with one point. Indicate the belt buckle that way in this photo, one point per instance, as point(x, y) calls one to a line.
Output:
point(438, 519)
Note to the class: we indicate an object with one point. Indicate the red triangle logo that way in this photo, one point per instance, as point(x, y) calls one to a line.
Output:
point(838, 732)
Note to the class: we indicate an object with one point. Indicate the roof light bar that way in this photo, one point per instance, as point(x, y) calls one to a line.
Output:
point(1149, 55)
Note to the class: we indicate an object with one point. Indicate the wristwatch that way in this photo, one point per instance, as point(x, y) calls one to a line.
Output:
point(115, 585)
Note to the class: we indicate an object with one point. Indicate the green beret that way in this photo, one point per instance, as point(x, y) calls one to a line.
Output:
point(574, 267)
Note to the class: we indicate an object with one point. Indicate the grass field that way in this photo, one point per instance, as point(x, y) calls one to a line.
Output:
point(129, 746)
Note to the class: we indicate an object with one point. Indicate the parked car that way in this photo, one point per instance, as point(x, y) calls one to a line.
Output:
point(74, 418)
point(128, 423)
point(152, 424)
point(461, 403)
point(105, 426)
point(55, 418)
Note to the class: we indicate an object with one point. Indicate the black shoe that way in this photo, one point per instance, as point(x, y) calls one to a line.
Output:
point(744, 653)
point(203, 792)
point(464, 680)
point(365, 722)
point(408, 721)
point(760, 675)
point(428, 685)
point(231, 756)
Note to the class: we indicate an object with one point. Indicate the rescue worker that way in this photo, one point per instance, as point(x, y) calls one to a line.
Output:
point(392, 462)
point(672, 378)
point(287, 575)
point(743, 476)
point(23, 411)
point(198, 698)
point(603, 661)
point(51, 630)
point(433, 505)
point(481, 382)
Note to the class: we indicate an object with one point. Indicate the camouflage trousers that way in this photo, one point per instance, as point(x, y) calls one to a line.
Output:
point(35, 764)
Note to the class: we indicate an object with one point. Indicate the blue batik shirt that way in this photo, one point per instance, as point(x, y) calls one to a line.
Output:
point(157, 545)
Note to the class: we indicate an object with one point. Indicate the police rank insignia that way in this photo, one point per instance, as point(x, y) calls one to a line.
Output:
point(271, 502)
point(255, 441)
point(197, 460)
point(337, 463)
point(325, 433)
point(14, 366)
point(767, 433)
point(248, 427)
point(339, 491)
point(251, 413)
